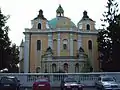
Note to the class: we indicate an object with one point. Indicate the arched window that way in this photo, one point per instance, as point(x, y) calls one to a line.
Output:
point(90, 45)
point(38, 44)
point(76, 68)
point(53, 67)
point(65, 42)
point(65, 67)
point(88, 27)
point(39, 25)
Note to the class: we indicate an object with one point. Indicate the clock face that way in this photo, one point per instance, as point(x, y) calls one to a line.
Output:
point(80, 26)
point(47, 25)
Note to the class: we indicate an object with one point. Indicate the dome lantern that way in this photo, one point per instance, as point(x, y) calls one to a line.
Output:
point(40, 15)
point(60, 11)
point(85, 14)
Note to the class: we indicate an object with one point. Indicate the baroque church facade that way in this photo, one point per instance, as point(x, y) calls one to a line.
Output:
point(58, 45)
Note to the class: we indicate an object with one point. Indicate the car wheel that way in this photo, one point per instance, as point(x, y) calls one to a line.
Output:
point(102, 88)
point(17, 88)
point(97, 88)
point(62, 88)
point(80, 88)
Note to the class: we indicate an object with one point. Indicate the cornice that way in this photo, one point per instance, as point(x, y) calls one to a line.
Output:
point(37, 31)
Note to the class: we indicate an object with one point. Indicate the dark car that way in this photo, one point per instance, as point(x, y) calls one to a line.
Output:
point(42, 84)
point(9, 83)
point(69, 83)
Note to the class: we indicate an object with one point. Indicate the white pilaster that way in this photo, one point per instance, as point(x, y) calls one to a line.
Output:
point(71, 44)
point(79, 41)
point(58, 45)
point(26, 53)
point(21, 53)
point(21, 57)
point(50, 42)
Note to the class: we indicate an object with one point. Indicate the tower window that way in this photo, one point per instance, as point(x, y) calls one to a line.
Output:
point(39, 26)
point(90, 45)
point(80, 26)
point(88, 27)
point(38, 44)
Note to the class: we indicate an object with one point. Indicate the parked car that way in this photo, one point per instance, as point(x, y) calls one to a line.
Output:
point(42, 84)
point(107, 82)
point(69, 83)
point(9, 83)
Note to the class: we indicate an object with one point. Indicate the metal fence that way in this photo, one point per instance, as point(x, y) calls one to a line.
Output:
point(88, 79)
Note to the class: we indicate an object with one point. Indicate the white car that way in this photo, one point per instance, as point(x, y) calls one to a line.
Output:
point(106, 83)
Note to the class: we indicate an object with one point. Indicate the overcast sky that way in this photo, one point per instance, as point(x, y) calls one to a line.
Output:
point(23, 11)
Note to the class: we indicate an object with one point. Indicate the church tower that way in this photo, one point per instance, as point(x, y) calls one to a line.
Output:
point(89, 38)
point(86, 23)
point(35, 43)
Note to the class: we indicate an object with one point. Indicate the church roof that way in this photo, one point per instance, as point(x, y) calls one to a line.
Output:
point(40, 15)
point(61, 22)
point(85, 16)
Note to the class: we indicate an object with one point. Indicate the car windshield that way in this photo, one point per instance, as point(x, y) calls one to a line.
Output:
point(42, 80)
point(70, 80)
point(8, 80)
point(108, 79)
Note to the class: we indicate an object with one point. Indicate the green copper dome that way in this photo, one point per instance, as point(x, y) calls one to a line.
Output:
point(61, 22)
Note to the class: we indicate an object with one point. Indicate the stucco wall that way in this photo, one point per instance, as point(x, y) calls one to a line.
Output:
point(35, 55)
point(93, 54)
point(62, 51)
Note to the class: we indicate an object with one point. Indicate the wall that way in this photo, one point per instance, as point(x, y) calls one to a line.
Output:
point(35, 56)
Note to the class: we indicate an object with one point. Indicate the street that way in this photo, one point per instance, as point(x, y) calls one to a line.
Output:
point(89, 88)
point(83, 89)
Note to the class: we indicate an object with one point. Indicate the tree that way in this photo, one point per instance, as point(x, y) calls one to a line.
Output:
point(104, 48)
point(115, 37)
point(107, 38)
point(87, 66)
point(14, 58)
point(8, 54)
point(4, 40)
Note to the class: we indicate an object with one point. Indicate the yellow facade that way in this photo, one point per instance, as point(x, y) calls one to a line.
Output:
point(34, 54)
point(62, 51)
point(93, 54)
point(55, 43)
point(64, 38)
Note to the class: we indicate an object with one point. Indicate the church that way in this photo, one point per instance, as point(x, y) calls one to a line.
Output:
point(58, 45)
